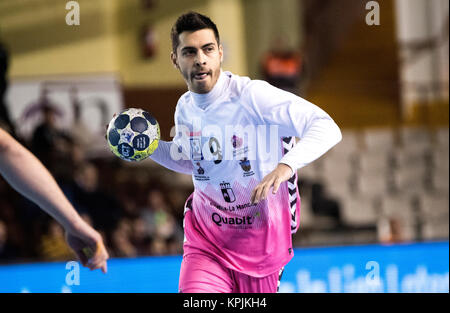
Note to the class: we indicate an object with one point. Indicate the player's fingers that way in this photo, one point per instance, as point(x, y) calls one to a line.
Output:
point(97, 258)
point(252, 195)
point(254, 192)
point(95, 263)
point(262, 191)
point(259, 189)
point(258, 193)
point(267, 187)
point(104, 267)
point(276, 185)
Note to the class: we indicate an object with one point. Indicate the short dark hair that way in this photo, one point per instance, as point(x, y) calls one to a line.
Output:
point(191, 21)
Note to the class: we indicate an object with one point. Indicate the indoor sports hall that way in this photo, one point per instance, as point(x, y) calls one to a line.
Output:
point(374, 209)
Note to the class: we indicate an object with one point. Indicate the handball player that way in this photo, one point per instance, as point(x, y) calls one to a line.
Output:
point(239, 221)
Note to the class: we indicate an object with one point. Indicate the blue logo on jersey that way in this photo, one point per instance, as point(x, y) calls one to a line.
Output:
point(245, 164)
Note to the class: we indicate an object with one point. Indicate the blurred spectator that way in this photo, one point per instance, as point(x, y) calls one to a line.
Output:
point(53, 246)
point(127, 191)
point(8, 251)
point(140, 236)
point(49, 143)
point(130, 206)
point(174, 245)
point(282, 65)
point(121, 242)
point(82, 135)
point(14, 230)
point(177, 200)
point(11, 219)
point(158, 217)
point(159, 246)
point(103, 208)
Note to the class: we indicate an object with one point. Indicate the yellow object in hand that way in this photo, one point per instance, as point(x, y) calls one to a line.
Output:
point(88, 252)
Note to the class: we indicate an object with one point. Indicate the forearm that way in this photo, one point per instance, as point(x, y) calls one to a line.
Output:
point(164, 157)
point(321, 136)
point(26, 174)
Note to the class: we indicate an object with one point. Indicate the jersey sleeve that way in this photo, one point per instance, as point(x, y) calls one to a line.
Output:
point(174, 154)
point(164, 155)
point(294, 116)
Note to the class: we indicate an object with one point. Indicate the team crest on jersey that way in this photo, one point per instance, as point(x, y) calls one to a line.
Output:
point(196, 149)
point(239, 149)
point(236, 141)
point(200, 169)
point(201, 172)
point(246, 166)
point(227, 192)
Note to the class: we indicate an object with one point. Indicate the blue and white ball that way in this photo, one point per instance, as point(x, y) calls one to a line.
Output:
point(133, 135)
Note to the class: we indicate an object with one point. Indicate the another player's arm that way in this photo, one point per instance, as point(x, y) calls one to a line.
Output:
point(26, 174)
point(295, 117)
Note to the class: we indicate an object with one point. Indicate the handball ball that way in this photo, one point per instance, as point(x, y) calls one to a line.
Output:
point(133, 135)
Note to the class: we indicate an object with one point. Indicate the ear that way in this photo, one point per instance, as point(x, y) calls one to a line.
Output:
point(173, 58)
point(221, 53)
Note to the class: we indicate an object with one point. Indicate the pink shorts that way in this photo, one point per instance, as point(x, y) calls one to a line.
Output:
point(201, 273)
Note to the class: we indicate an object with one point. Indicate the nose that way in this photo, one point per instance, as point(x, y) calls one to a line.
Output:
point(200, 59)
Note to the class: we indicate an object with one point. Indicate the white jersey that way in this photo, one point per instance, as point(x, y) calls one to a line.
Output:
point(228, 140)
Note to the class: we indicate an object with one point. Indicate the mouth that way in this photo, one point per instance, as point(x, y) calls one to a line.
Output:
point(201, 75)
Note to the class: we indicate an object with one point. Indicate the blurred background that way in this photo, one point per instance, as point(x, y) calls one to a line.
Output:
point(379, 68)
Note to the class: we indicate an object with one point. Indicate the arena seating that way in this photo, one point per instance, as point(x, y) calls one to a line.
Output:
point(385, 173)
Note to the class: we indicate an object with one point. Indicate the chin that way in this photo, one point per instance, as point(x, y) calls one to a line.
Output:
point(203, 89)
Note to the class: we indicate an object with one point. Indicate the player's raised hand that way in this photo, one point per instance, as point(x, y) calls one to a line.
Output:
point(280, 174)
point(88, 245)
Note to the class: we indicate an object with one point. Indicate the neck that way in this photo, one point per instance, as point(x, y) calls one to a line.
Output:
point(203, 100)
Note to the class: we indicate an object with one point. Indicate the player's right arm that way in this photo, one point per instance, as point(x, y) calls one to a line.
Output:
point(26, 174)
point(168, 155)
point(172, 154)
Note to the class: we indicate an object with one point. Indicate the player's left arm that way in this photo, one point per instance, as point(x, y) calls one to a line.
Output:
point(26, 174)
point(295, 117)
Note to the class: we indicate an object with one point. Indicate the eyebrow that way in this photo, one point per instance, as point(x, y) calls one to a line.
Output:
point(194, 48)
